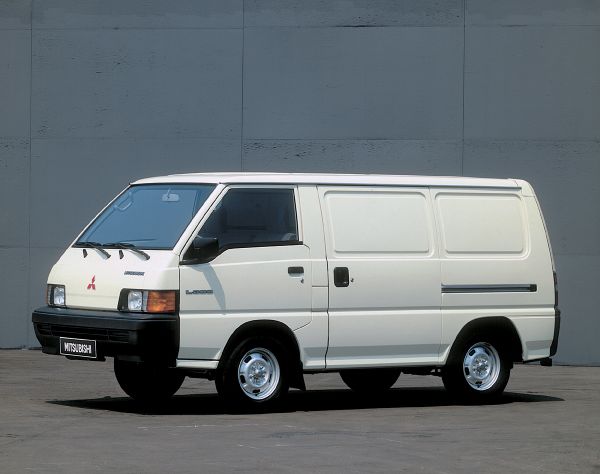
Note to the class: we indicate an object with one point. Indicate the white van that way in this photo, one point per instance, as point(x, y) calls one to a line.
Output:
point(254, 280)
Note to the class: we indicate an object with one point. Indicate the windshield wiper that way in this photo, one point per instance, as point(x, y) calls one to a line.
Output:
point(94, 245)
point(128, 246)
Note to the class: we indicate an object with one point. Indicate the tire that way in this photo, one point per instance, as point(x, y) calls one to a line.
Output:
point(255, 375)
point(147, 383)
point(477, 370)
point(370, 381)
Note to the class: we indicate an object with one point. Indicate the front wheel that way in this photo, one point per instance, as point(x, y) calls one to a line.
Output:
point(147, 383)
point(477, 370)
point(255, 374)
point(370, 381)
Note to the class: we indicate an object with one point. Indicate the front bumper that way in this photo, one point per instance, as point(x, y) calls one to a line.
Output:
point(136, 337)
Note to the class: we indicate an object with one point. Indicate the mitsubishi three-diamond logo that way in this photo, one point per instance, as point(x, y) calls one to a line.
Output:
point(92, 285)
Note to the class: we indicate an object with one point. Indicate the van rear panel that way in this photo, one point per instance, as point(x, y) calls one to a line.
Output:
point(495, 262)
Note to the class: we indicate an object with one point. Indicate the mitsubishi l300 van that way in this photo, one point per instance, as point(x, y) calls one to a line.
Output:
point(253, 280)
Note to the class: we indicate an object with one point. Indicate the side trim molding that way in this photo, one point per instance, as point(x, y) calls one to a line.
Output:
point(527, 288)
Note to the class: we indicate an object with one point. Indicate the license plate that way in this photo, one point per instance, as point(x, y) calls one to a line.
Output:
point(78, 347)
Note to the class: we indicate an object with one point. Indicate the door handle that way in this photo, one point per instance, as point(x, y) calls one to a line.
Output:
point(341, 276)
point(295, 271)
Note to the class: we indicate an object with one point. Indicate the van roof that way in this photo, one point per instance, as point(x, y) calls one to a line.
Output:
point(326, 178)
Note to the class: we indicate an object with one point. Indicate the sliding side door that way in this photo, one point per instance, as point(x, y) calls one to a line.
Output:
point(384, 276)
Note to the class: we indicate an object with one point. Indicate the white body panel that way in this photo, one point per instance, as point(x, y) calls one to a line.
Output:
point(246, 284)
point(404, 239)
point(389, 314)
point(520, 262)
point(76, 272)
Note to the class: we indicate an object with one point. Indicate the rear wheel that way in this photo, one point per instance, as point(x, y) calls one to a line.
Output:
point(147, 383)
point(255, 375)
point(370, 381)
point(477, 370)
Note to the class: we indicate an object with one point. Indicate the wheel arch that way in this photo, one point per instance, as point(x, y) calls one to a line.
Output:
point(276, 330)
point(500, 328)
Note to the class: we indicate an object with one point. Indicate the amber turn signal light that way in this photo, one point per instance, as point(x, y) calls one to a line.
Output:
point(161, 301)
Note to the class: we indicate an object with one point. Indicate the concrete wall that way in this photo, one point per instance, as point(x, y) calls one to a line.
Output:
point(96, 94)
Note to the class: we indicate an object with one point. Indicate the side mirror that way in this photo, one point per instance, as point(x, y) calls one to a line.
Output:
point(202, 250)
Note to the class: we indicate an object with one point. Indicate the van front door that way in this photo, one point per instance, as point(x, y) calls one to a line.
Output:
point(262, 271)
point(384, 277)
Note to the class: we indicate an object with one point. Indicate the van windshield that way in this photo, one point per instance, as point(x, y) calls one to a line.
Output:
point(147, 216)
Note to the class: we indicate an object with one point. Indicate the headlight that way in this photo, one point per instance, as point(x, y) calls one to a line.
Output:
point(135, 300)
point(148, 301)
point(56, 295)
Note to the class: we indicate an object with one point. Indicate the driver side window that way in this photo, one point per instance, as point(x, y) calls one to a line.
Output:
point(253, 217)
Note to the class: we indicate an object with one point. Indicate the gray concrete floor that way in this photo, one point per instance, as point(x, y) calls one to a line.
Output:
point(61, 416)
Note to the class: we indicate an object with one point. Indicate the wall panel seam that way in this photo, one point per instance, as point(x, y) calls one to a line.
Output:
point(28, 273)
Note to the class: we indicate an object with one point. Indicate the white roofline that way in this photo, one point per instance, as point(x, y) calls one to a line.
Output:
point(333, 179)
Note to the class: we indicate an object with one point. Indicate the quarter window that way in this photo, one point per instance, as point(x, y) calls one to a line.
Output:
point(252, 217)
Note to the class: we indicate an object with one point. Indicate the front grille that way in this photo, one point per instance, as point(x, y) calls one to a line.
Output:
point(78, 332)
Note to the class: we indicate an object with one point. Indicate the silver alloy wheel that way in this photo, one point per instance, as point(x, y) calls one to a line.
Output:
point(481, 366)
point(259, 373)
